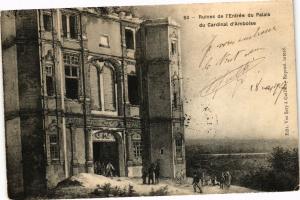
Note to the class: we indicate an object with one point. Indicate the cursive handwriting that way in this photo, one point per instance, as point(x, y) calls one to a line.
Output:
point(208, 60)
point(276, 89)
point(237, 61)
point(234, 75)
point(258, 33)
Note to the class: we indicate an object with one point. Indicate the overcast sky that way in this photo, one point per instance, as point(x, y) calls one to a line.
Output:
point(234, 110)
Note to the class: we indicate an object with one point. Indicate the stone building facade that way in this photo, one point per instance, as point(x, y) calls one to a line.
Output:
point(81, 86)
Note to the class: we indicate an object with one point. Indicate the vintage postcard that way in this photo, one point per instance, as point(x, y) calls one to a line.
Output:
point(187, 99)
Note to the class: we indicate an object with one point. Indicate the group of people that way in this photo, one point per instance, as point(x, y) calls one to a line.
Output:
point(104, 169)
point(152, 173)
point(225, 181)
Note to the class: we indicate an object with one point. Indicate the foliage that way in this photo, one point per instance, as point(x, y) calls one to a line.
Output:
point(282, 174)
point(163, 191)
point(274, 169)
point(68, 182)
point(107, 190)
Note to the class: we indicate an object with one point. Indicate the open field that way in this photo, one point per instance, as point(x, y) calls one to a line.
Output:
point(241, 157)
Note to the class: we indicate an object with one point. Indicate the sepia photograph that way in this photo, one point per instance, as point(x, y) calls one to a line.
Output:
point(152, 100)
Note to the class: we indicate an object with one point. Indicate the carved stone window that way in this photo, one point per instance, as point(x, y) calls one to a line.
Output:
point(173, 47)
point(70, 26)
point(54, 148)
point(108, 86)
point(137, 149)
point(64, 26)
point(178, 145)
point(71, 63)
point(73, 27)
point(103, 87)
point(49, 80)
point(176, 102)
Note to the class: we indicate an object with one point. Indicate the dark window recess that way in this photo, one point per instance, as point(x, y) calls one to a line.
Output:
point(71, 88)
point(49, 80)
point(49, 85)
point(173, 48)
point(178, 143)
point(175, 99)
point(67, 71)
point(133, 90)
point(129, 39)
point(73, 27)
point(71, 62)
point(47, 22)
point(161, 151)
point(64, 25)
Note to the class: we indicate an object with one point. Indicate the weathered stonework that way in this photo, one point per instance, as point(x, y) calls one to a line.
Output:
point(56, 135)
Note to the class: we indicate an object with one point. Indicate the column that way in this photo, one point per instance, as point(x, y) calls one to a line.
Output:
point(129, 148)
point(74, 154)
point(89, 150)
point(121, 146)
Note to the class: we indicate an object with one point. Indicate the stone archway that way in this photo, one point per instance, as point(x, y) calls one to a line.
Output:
point(108, 146)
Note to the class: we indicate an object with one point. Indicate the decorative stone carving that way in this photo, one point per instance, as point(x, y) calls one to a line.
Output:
point(136, 136)
point(52, 127)
point(173, 34)
point(104, 137)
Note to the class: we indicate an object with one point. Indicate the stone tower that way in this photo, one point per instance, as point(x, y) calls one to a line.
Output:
point(162, 112)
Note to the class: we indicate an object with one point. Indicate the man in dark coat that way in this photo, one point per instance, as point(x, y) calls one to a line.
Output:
point(156, 172)
point(150, 174)
point(227, 179)
point(144, 174)
point(196, 180)
point(222, 180)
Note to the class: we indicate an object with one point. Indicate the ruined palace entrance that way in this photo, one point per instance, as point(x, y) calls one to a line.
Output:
point(105, 150)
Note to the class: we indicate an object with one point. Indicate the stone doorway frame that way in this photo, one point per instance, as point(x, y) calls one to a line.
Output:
point(117, 134)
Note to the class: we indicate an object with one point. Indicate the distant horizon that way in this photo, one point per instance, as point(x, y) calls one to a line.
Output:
point(189, 137)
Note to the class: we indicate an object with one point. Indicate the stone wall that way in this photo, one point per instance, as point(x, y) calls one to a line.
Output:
point(160, 64)
point(33, 136)
point(11, 105)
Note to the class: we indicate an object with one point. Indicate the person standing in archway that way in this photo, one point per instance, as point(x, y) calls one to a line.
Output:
point(151, 174)
point(109, 169)
point(144, 174)
point(157, 172)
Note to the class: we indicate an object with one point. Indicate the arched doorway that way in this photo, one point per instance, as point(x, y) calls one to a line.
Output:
point(107, 148)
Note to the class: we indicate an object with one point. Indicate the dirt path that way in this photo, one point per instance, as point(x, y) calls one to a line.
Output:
point(187, 189)
point(83, 185)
